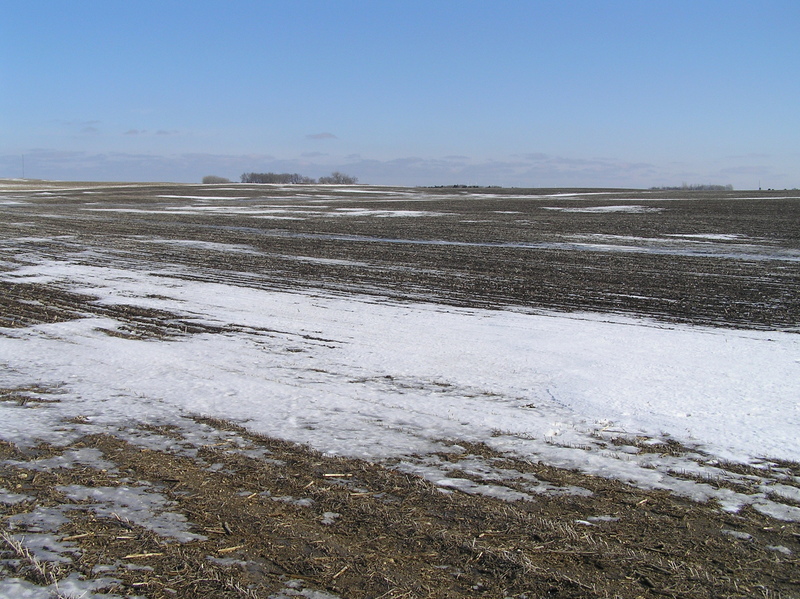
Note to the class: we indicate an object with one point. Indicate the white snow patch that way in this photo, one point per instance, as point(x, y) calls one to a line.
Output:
point(383, 213)
point(71, 586)
point(295, 588)
point(203, 245)
point(179, 197)
point(709, 236)
point(140, 505)
point(631, 209)
point(737, 534)
point(329, 518)
point(85, 456)
point(8, 498)
point(376, 379)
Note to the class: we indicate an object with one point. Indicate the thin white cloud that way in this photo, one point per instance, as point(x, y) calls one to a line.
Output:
point(747, 170)
point(321, 136)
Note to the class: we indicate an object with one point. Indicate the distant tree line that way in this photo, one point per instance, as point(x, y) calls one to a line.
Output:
point(459, 186)
point(214, 179)
point(687, 187)
point(335, 178)
point(275, 178)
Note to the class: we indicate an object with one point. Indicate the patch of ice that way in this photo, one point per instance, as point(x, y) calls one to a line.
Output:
point(383, 213)
point(737, 534)
point(226, 561)
point(140, 505)
point(709, 236)
point(331, 261)
point(300, 502)
point(329, 518)
point(628, 208)
point(8, 498)
point(121, 210)
point(436, 470)
point(296, 588)
point(71, 586)
point(676, 246)
point(472, 488)
point(204, 197)
point(45, 547)
point(786, 491)
point(40, 520)
point(778, 510)
point(203, 245)
point(602, 519)
point(86, 456)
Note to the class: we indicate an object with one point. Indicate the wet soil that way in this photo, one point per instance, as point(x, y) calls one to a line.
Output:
point(718, 258)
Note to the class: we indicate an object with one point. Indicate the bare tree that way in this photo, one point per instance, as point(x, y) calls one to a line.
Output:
point(282, 178)
point(337, 178)
point(687, 187)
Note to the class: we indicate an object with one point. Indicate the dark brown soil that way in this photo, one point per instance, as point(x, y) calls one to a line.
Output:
point(392, 535)
point(484, 247)
point(367, 530)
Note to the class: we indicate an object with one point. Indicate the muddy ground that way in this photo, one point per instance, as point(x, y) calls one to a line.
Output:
point(303, 522)
point(296, 523)
point(725, 258)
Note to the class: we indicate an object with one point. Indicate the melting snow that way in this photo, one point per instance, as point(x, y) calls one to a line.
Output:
point(632, 209)
point(368, 378)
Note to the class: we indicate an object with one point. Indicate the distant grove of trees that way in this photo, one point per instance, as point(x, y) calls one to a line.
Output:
point(335, 178)
point(275, 178)
point(215, 179)
point(686, 187)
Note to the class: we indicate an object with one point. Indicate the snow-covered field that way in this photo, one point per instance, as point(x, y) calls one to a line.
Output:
point(656, 404)
point(372, 378)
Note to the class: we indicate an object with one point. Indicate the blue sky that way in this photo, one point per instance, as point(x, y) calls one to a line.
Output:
point(609, 93)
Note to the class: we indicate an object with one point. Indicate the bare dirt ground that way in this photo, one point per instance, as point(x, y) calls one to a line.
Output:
point(296, 523)
point(353, 529)
point(701, 257)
